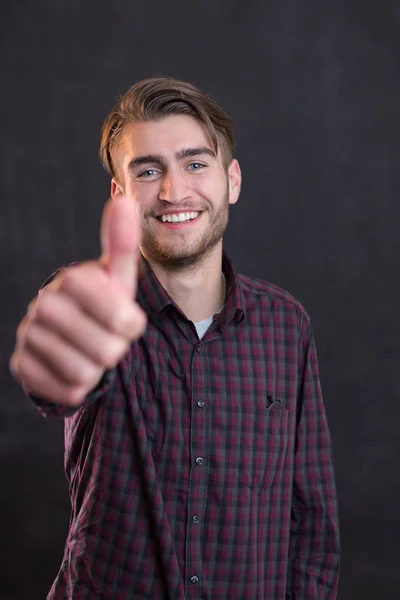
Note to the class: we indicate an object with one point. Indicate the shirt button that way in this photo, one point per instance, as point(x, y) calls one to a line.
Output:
point(194, 579)
point(199, 461)
point(200, 403)
point(198, 348)
point(195, 519)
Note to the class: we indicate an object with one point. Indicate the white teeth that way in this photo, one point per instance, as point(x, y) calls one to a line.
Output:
point(179, 217)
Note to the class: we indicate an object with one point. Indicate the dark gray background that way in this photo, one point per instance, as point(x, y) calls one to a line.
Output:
point(314, 88)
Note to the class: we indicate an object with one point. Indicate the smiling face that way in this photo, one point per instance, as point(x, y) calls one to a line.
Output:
point(182, 188)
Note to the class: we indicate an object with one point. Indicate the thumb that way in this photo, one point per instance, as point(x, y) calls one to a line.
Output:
point(120, 236)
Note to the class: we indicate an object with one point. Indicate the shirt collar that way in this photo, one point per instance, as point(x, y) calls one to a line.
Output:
point(235, 307)
point(151, 295)
point(154, 298)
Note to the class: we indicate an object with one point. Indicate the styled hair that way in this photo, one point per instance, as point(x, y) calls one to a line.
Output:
point(157, 97)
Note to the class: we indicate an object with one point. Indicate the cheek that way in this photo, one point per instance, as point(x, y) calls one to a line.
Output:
point(208, 189)
point(144, 195)
point(213, 191)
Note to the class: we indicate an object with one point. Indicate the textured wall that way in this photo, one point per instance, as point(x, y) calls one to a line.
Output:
point(314, 88)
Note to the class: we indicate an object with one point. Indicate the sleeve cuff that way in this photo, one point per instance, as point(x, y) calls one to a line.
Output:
point(49, 409)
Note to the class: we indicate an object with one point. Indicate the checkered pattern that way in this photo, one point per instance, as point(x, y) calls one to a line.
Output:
point(203, 470)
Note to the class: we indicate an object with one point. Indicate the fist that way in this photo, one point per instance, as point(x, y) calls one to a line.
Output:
point(84, 321)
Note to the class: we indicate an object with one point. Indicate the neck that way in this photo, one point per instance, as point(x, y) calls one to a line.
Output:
point(198, 290)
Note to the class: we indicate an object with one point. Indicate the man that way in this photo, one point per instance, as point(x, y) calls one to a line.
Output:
point(197, 448)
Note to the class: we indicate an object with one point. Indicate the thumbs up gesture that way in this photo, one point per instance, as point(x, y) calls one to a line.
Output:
point(84, 321)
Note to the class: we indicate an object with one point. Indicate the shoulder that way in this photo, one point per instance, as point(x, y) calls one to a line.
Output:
point(256, 291)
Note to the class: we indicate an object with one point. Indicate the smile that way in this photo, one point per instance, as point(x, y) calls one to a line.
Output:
point(179, 217)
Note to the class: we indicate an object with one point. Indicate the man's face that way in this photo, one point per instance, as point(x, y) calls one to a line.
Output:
point(182, 188)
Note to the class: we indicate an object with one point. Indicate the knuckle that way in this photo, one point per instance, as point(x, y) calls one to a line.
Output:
point(87, 280)
point(83, 374)
point(30, 333)
point(78, 274)
point(140, 327)
point(139, 324)
point(43, 306)
point(30, 310)
point(74, 396)
point(70, 278)
point(110, 353)
point(21, 330)
point(120, 319)
point(21, 368)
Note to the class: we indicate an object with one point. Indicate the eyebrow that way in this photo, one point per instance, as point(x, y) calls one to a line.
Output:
point(180, 155)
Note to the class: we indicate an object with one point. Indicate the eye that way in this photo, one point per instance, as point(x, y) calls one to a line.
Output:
point(148, 174)
point(196, 166)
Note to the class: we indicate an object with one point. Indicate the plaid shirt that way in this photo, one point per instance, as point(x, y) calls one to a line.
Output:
point(203, 469)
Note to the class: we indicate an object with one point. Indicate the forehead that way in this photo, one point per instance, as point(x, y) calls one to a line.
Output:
point(162, 137)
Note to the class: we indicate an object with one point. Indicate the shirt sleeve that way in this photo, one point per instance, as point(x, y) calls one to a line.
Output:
point(314, 553)
point(50, 409)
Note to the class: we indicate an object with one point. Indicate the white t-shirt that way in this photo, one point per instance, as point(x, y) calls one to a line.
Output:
point(202, 326)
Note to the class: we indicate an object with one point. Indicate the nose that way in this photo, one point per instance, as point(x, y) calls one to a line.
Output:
point(174, 187)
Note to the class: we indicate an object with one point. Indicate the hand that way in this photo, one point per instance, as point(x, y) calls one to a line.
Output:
point(84, 321)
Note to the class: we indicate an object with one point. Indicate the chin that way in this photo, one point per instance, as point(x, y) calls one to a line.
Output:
point(178, 257)
point(177, 261)
point(174, 260)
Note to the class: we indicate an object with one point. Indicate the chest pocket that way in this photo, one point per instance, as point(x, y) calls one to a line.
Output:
point(261, 448)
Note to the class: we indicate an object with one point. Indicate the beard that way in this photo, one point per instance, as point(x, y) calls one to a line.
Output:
point(190, 253)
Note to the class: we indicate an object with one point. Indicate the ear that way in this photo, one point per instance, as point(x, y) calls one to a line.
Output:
point(235, 181)
point(115, 188)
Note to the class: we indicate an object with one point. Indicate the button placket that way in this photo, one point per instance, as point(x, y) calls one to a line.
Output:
point(198, 445)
